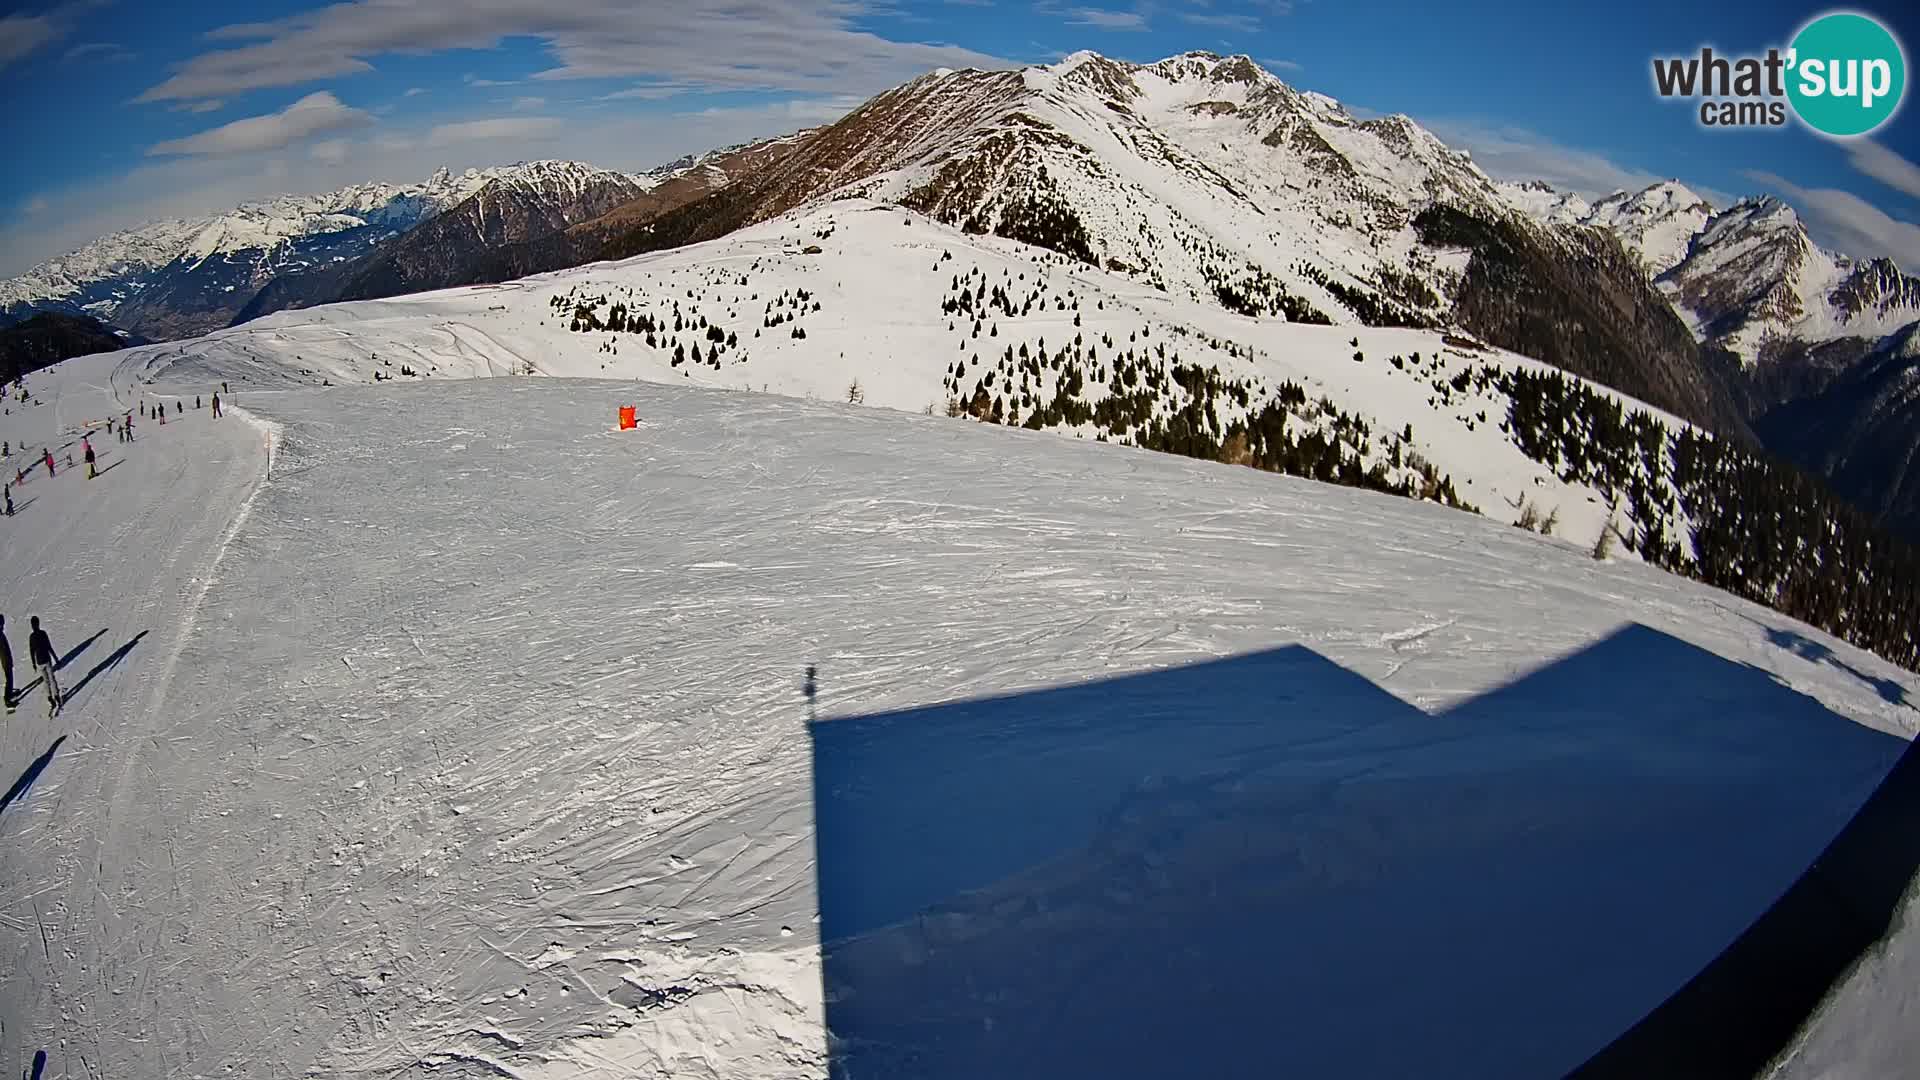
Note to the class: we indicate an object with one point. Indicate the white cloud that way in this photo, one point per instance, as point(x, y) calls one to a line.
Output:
point(329, 151)
point(311, 115)
point(196, 106)
point(1282, 65)
point(798, 45)
point(1847, 223)
point(1512, 153)
point(1106, 19)
point(528, 104)
point(1884, 165)
point(473, 81)
point(414, 91)
point(529, 128)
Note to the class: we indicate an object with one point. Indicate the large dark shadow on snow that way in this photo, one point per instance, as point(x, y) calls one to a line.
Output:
point(1267, 866)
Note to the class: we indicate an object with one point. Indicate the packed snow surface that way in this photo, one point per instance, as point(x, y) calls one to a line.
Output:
point(441, 729)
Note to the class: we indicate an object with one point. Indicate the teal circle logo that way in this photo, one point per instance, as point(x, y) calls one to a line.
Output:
point(1848, 74)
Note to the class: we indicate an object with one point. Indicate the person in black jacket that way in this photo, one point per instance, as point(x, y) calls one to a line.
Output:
point(6, 658)
point(40, 651)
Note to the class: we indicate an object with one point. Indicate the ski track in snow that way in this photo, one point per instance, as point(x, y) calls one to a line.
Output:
point(470, 741)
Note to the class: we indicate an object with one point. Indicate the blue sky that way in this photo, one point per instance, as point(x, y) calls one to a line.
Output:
point(119, 111)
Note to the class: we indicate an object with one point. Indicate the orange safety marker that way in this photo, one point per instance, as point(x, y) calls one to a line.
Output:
point(628, 419)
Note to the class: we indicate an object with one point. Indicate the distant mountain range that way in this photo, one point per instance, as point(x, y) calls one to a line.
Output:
point(1199, 176)
point(173, 279)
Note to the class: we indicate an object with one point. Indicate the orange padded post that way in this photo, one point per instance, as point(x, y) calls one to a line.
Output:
point(627, 418)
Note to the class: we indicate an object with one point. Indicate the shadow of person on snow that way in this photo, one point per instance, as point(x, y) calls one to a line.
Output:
point(1267, 865)
point(105, 469)
point(113, 658)
point(33, 772)
point(39, 1065)
point(78, 649)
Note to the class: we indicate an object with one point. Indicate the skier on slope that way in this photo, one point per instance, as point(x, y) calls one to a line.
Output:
point(216, 406)
point(40, 651)
point(6, 661)
point(9, 492)
point(49, 455)
point(87, 447)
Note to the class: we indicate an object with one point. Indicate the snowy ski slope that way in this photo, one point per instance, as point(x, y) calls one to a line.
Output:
point(439, 729)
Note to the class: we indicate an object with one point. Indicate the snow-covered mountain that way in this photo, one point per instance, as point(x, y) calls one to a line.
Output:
point(179, 277)
point(1658, 223)
point(1747, 279)
point(1544, 202)
point(1208, 178)
point(1202, 175)
point(1753, 277)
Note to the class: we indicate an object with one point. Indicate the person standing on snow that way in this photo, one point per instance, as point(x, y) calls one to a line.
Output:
point(86, 445)
point(6, 661)
point(49, 454)
point(40, 651)
point(9, 491)
point(216, 406)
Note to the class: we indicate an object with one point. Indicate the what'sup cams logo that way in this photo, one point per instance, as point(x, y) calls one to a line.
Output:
point(1843, 75)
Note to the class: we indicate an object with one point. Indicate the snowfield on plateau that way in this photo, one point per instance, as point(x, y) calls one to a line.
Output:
point(437, 729)
point(856, 291)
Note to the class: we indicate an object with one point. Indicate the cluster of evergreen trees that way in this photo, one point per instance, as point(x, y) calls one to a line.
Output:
point(1372, 309)
point(1156, 400)
point(1757, 527)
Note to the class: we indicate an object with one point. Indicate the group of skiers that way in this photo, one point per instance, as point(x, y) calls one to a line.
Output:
point(121, 428)
point(39, 645)
point(45, 661)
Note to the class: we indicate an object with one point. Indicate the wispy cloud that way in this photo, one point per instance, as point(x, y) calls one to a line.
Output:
point(1219, 20)
point(311, 115)
point(329, 151)
point(1845, 222)
point(525, 128)
point(196, 106)
point(414, 91)
point(528, 104)
point(799, 111)
point(474, 81)
point(654, 92)
point(795, 45)
point(22, 35)
point(105, 52)
point(1884, 165)
point(1105, 18)
point(1282, 65)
